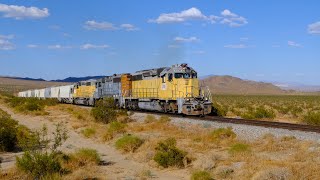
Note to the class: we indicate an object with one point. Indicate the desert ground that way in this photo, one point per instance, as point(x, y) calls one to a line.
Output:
point(223, 151)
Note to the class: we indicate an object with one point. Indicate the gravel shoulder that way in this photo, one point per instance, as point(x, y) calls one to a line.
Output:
point(244, 132)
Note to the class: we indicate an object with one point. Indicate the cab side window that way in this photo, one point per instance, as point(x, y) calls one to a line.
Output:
point(163, 78)
point(170, 77)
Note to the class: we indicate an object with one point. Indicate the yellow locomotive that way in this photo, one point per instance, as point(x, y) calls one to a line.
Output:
point(172, 89)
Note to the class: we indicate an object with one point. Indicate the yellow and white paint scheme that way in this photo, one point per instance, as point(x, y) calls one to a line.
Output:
point(84, 91)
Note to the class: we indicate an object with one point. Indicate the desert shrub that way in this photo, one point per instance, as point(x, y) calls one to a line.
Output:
point(219, 110)
point(150, 118)
point(88, 132)
point(164, 119)
point(44, 160)
point(222, 134)
point(312, 118)
point(128, 143)
point(114, 128)
point(169, 155)
point(239, 148)
point(29, 104)
point(259, 113)
point(83, 157)
point(8, 132)
point(201, 175)
point(104, 111)
point(39, 164)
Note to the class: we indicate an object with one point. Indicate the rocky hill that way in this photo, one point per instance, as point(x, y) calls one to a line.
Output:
point(234, 85)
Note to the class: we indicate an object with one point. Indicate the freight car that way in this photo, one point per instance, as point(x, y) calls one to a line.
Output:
point(169, 89)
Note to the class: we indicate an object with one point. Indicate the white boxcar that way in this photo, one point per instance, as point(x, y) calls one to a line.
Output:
point(36, 93)
point(47, 92)
point(20, 94)
point(41, 93)
point(29, 93)
point(66, 94)
point(55, 91)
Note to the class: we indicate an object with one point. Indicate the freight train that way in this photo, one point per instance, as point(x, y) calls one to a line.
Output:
point(172, 89)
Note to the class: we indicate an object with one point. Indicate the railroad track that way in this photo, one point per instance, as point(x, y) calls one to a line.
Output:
point(261, 123)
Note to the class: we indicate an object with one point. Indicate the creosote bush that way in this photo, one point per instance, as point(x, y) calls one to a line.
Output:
point(114, 128)
point(201, 175)
point(164, 119)
point(168, 154)
point(312, 118)
point(27, 105)
point(104, 111)
point(222, 134)
point(128, 143)
point(88, 132)
point(41, 155)
point(83, 157)
point(150, 118)
point(259, 113)
point(12, 135)
point(239, 148)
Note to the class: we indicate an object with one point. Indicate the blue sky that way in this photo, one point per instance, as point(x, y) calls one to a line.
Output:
point(257, 40)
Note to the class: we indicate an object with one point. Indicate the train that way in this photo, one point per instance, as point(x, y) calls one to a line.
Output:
point(172, 89)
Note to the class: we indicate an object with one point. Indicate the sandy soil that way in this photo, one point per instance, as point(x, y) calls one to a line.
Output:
point(119, 166)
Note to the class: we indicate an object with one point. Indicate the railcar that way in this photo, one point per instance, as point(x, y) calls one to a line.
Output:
point(84, 92)
point(173, 90)
point(66, 94)
point(41, 93)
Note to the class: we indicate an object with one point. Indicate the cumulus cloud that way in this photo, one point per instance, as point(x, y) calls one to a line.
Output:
point(294, 44)
point(236, 46)
point(94, 25)
point(232, 19)
point(190, 39)
point(93, 46)
point(129, 27)
point(189, 14)
point(5, 43)
point(58, 46)
point(226, 17)
point(22, 12)
point(314, 28)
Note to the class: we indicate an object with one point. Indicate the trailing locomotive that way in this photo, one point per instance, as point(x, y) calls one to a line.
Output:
point(169, 89)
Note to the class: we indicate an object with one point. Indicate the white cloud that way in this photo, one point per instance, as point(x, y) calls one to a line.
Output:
point(314, 28)
point(94, 25)
point(22, 12)
point(92, 46)
point(129, 27)
point(58, 46)
point(5, 44)
point(232, 19)
point(294, 44)
point(190, 39)
point(176, 17)
point(32, 46)
point(226, 17)
point(236, 46)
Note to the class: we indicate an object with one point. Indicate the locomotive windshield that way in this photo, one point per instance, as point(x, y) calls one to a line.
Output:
point(185, 75)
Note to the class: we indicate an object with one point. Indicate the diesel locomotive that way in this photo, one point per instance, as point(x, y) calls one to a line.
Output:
point(172, 89)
